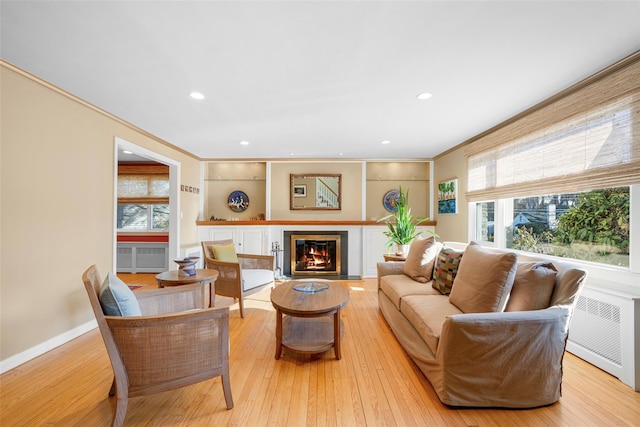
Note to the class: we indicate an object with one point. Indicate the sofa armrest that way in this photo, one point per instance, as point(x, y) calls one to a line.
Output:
point(388, 268)
point(517, 355)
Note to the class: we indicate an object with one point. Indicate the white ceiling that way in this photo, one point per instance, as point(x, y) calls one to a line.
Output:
point(316, 78)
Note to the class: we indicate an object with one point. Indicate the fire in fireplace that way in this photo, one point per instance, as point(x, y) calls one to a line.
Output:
point(315, 254)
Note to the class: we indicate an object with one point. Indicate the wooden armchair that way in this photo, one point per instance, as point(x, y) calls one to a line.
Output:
point(239, 279)
point(163, 349)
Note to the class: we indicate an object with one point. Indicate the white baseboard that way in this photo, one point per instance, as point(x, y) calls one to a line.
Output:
point(40, 349)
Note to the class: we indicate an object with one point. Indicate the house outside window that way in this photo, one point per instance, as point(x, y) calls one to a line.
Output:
point(143, 198)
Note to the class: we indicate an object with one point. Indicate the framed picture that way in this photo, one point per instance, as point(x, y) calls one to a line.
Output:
point(390, 199)
point(238, 201)
point(300, 190)
point(448, 197)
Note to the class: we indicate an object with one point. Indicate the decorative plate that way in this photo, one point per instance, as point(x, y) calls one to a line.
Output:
point(390, 199)
point(238, 201)
point(311, 287)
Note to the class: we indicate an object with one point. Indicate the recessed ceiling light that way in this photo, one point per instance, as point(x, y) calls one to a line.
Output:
point(127, 152)
point(291, 154)
point(196, 95)
point(244, 142)
point(340, 154)
point(386, 141)
point(424, 95)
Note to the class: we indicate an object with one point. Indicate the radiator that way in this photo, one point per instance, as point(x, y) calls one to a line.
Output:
point(604, 331)
point(142, 257)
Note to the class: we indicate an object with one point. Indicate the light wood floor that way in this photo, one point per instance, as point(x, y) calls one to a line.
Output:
point(374, 384)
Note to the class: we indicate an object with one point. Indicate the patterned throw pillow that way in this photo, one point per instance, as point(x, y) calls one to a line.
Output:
point(446, 269)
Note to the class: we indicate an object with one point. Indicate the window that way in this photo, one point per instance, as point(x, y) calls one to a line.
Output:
point(143, 197)
point(143, 217)
point(590, 226)
point(563, 178)
point(485, 221)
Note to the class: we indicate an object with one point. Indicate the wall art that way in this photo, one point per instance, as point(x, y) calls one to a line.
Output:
point(448, 197)
point(238, 201)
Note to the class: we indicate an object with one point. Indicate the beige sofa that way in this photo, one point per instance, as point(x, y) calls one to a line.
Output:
point(477, 346)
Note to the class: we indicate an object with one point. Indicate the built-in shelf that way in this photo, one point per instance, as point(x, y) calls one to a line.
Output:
point(235, 179)
point(397, 180)
point(299, 222)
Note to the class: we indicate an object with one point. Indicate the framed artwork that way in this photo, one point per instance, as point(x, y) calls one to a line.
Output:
point(389, 200)
point(238, 201)
point(448, 197)
point(300, 190)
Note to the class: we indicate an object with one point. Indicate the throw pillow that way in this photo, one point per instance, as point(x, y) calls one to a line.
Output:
point(226, 253)
point(116, 299)
point(446, 269)
point(421, 258)
point(532, 287)
point(484, 280)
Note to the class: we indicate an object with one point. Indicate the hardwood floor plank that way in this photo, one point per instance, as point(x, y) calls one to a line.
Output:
point(374, 384)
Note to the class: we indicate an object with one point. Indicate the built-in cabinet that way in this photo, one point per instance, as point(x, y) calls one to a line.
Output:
point(366, 248)
point(247, 239)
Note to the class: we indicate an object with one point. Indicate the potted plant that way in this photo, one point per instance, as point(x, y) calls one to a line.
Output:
point(403, 227)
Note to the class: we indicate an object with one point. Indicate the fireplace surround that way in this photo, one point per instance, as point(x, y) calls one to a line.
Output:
point(315, 253)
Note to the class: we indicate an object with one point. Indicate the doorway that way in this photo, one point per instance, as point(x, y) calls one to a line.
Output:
point(139, 153)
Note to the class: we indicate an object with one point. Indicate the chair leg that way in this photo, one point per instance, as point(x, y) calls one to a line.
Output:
point(226, 388)
point(241, 306)
point(121, 410)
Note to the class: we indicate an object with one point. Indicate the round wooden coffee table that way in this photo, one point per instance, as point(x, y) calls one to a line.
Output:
point(204, 276)
point(312, 323)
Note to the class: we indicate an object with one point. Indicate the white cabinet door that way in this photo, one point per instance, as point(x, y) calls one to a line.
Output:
point(222, 233)
point(252, 241)
point(247, 240)
point(374, 249)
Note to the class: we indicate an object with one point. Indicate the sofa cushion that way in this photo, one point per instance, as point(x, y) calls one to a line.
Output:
point(252, 278)
point(532, 286)
point(421, 258)
point(446, 268)
point(117, 299)
point(427, 313)
point(398, 286)
point(225, 253)
point(484, 280)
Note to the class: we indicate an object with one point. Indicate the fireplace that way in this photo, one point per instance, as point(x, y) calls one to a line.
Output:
point(315, 253)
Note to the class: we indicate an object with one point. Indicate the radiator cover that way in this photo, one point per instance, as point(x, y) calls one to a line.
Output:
point(142, 257)
point(604, 332)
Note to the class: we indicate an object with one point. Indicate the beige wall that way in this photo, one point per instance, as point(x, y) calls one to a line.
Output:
point(351, 190)
point(221, 179)
point(57, 204)
point(383, 177)
point(452, 227)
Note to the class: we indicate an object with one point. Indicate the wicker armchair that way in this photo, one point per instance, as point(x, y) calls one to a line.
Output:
point(239, 279)
point(163, 349)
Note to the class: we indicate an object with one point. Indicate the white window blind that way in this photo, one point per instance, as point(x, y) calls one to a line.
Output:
point(585, 140)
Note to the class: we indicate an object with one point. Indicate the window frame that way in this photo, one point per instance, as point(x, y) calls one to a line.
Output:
point(604, 274)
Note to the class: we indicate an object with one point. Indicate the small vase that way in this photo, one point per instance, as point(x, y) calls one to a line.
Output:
point(402, 250)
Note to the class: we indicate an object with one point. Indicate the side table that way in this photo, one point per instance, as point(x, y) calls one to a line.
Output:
point(394, 258)
point(203, 276)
